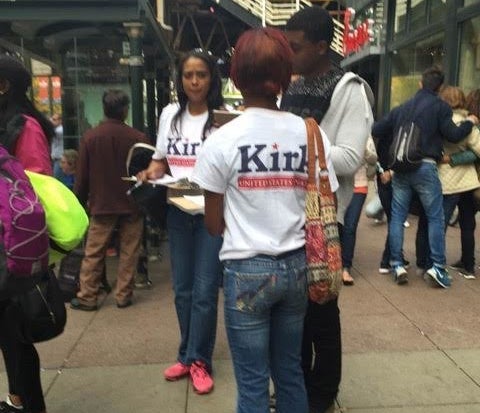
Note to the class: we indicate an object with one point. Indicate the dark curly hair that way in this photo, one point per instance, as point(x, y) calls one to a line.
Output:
point(315, 22)
point(214, 96)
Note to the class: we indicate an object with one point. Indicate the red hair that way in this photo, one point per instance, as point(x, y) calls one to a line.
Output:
point(453, 96)
point(262, 62)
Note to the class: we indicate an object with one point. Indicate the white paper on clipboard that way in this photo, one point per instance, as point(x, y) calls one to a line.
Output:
point(165, 180)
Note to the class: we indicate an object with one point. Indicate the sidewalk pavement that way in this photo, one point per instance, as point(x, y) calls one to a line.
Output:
point(410, 348)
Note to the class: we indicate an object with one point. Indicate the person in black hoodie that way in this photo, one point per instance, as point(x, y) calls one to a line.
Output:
point(433, 117)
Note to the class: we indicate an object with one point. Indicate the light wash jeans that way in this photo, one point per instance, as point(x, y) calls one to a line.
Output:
point(425, 182)
point(265, 304)
point(421, 242)
point(197, 274)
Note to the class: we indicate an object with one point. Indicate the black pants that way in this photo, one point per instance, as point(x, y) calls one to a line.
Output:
point(385, 194)
point(467, 223)
point(322, 372)
point(466, 220)
point(22, 365)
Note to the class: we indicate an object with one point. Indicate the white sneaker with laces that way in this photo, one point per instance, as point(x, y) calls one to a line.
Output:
point(400, 274)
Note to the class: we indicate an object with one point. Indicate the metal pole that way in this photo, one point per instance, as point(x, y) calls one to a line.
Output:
point(135, 61)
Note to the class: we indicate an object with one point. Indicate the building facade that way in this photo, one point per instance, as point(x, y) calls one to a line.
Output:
point(410, 35)
point(77, 49)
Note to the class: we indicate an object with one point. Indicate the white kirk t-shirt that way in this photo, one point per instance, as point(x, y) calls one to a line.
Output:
point(259, 162)
point(180, 149)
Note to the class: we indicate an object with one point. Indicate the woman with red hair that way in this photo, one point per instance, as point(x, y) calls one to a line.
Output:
point(253, 171)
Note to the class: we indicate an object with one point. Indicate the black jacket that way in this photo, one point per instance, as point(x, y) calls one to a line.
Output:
point(434, 118)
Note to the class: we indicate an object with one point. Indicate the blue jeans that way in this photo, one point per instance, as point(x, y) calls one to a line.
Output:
point(348, 232)
point(196, 273)
point(425, 183)
point(265, 303)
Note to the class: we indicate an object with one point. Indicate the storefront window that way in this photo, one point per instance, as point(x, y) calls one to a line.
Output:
point(91, 66)
point(437, 10)
point(400, 17)
point(70, 74)
point(408, 65)
point(418, 15)
point(469, 74)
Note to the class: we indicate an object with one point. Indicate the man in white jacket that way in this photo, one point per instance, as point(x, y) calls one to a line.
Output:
point(338, 101)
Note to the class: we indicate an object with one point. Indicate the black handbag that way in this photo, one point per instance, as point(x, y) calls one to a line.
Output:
point(39, 312)
point(151, 199)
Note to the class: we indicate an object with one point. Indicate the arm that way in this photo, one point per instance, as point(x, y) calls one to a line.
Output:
point(449, 130)
point(214, 213)
point(81, 185)
point(350, 134)
point(32, 148)
point(164, 127)
point(158, 165)
point(473, 141)
point(384, 127)
point(370, 156)
point(462, 158)
point(156, 169)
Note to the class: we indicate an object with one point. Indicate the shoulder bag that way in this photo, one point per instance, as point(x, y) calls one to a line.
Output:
point(39, 312)
point(322, 242)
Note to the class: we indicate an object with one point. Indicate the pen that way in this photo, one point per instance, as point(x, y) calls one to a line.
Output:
point(137, 184)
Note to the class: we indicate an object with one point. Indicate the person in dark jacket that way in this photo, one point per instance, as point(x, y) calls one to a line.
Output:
point(433, 117)
point(101, 164)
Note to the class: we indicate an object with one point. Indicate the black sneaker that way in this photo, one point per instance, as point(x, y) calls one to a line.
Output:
point(76, 304)
point(457, 266)
point(467, 274)
point(6, 408)
point(385, 269)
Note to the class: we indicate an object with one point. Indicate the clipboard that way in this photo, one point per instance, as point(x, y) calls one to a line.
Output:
point(222, 116)
point(192, 205)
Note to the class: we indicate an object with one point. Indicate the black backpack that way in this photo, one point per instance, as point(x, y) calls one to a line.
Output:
point(405, 152)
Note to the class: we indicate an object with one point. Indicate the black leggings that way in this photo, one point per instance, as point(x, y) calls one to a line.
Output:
point(22, 365)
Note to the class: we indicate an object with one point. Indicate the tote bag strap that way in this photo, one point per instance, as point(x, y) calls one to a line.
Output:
point(132, 149)
point(314, 147)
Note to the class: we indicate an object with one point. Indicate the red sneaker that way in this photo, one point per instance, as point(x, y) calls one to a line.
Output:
point(177, 371)
point(201, 380)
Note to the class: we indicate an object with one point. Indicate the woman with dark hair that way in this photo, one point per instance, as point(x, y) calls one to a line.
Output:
point(24, 131)
point(196, 269)
point(253, 170)
point(26, 134)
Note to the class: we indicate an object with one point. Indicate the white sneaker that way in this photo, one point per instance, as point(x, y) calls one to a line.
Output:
point(401, 275)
